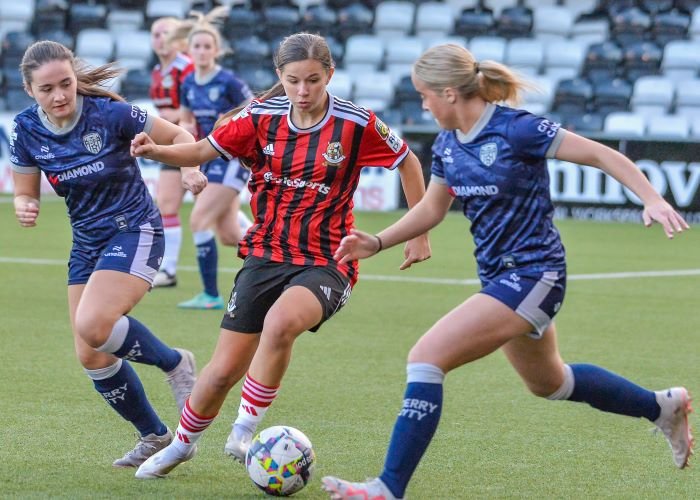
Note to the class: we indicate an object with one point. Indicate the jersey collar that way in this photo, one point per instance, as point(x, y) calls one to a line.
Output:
point(68, 127)
point(478, 126)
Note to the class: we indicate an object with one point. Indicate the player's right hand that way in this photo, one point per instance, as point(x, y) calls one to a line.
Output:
point(356, 245)
point(193, 180)
point(26, 213)
point(142, 145)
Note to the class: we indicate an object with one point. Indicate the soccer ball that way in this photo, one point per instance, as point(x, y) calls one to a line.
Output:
point(280, 460)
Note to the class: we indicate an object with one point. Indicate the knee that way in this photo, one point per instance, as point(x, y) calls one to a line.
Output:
point(93, 328)
point(559, 386)
point(220, 379)
point(279, 333)
point(228, 238)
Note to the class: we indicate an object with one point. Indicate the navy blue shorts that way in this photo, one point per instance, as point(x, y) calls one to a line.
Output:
point(228, 173)
point(260, 283)
point(138, 252)
point(536, 296)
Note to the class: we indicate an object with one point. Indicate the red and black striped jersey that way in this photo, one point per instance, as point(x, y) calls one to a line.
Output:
point(166, 82)
point(303, 180)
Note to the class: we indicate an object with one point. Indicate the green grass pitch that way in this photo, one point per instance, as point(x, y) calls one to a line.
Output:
point(345, 383)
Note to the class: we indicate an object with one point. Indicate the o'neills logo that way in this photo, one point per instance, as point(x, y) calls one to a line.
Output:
point(73, 173)
point(334, 154)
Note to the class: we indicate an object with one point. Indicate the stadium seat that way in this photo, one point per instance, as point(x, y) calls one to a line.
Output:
point(625, 125)
point(652, 95)
point(17, 100)
point(453, 39)
point(304, 5)
point(580, 7)
point(497, 6)
point(61, 36)
point(404, 91)
point(401, 53)
point(363, 53)
point(133, 50)
point(603, 61)
point(280, 21)
point(590, 31)
point(122, 20)
point(337, 49)
point(515, 22)
point(50, 15)
point(687, 6)
point(525, 55)
point(668, 127)
point(250, 50)
point(320, 19)
point(13, 79)
point(86, 16)
point(166, 8)
point(641, 59)
point(695, 126)
point(259, 78)
point(552, 23)
point(354, 19)
point(584, 123)
point(475, 22)
point(564, 59)
point(412, 113)
point(688, 92)
point(630, 25)
point(15, 15)
point(393, 19)
point(433, 20)
point(655, 7)
point(341, 84)
point(94, 43)
point(538, 99)
point(135, 84)
point(612, 96)
point(488, 48)
point(573, 96)
point(681, 59)
point(14, 44)
point(672, 25)
point(694, 29)
point(372, 90)
point(458, 6)
point(242, 23)
point(614, 7)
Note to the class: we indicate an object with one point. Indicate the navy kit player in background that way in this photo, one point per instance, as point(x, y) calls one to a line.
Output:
point(168, 42)
point(493, 159)
point(208, 93)
point(306, 149)
point(78, 134)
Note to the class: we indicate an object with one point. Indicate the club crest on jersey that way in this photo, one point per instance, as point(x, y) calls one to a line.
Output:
point(334, 154)
point(92, 142)
point(488, 153)
point(382, 129)
point(214, 94)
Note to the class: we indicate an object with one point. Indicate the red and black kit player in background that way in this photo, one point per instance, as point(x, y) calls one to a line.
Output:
point(306, 149)
point(166, 78)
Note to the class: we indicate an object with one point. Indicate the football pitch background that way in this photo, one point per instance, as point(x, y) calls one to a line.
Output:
point(631, 306)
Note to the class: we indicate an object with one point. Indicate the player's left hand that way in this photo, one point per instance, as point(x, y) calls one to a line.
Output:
point(416, 250)
point(662, 212)
point(193, 180)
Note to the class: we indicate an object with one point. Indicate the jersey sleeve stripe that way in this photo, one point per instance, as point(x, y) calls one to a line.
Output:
point(221, 150)
point(399, 159)
point(149, 124)
point(556, 142)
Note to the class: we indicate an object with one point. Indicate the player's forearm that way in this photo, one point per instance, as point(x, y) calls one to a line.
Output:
point(412, 179)
point(179, 155)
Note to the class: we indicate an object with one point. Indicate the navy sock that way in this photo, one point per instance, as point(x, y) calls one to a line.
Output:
point(121, 387)
point(133, 341)
point(609, 392)
point(208, 260)
point(414, 427)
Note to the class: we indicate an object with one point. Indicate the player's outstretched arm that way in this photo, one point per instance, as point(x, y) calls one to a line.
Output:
point(418, 220)
point(577, 149)
point(27, 192)
point(188, 154)
point(416, 249)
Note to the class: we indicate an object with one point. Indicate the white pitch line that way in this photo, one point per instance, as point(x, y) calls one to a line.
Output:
point(412, 279)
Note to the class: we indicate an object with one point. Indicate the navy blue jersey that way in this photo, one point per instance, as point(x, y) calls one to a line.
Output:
point(209, 98)
point(499, 172)
point(88, 163)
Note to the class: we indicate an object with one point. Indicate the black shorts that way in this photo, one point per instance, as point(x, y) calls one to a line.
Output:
point(260, 283)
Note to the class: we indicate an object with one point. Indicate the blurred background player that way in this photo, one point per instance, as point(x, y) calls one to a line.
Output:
point(168, 40)
point(494, 159)
point(79, 135)
point(206, 94)
point(307, 149)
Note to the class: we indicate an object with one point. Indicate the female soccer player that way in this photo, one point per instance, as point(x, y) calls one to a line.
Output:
point(206, 94)
point(78, 134)
point(306, 149)
point(493, 159)
point(166, 82)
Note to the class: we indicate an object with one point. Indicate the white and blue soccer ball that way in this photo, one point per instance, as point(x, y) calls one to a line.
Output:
point(280, 460)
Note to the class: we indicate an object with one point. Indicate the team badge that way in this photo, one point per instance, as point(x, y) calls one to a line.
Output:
point(214, 94)
point(488, 153)
point(92, 142)
point(382, 129)
point(167, 82)
point(231, 305)
point(334, 154)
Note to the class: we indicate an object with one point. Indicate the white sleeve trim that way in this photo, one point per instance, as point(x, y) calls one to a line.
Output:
point(556, 142)
point(438, 180)
point(221, 150)
point(25, 169)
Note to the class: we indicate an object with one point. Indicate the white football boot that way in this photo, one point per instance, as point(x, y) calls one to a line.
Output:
point(164, 461)
point(373, 489)
point(673, 422)
point(238, 442)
